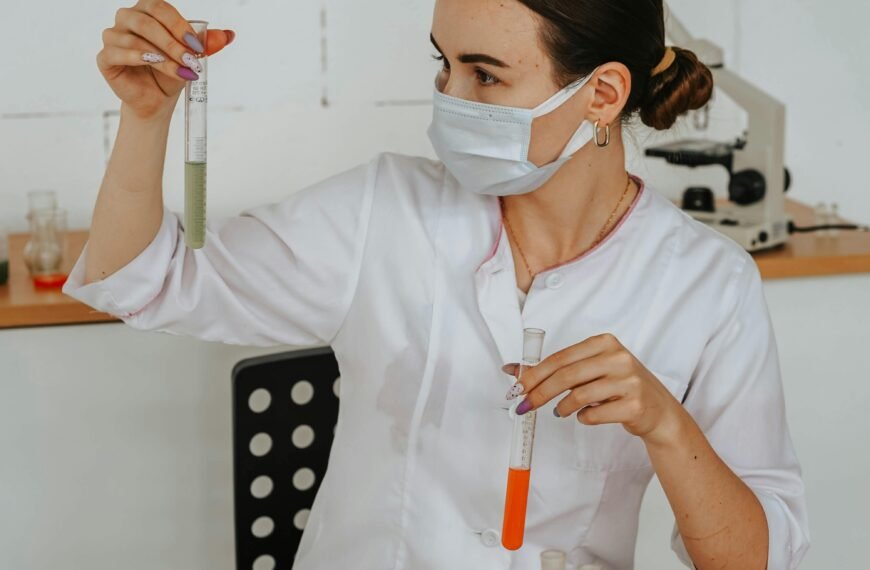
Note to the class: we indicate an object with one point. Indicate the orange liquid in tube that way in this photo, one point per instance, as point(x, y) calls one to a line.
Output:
point(516, 499)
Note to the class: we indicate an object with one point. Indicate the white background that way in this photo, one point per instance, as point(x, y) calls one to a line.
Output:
point(113, 456)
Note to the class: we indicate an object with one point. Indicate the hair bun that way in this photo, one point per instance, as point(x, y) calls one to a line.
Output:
point(685, 86)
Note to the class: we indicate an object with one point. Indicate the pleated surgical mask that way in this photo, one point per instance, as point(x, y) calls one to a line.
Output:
point(486, 147)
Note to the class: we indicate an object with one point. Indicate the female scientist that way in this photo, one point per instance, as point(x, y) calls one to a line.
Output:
point(422, 274)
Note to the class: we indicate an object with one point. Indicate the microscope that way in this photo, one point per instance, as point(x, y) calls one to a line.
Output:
point(755, 214)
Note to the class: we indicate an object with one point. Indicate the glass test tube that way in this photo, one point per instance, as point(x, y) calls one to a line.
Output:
point(195, 147)
point(520, 466)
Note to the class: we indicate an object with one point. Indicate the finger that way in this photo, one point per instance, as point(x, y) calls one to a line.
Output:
point(568, 378)
point(172, 20)
point(152, 31)
point(588, 348)
point(149, 54)
point(616, 412)
point(218, 40)
point(592, 394)
point(114, 38)
point(115, 56)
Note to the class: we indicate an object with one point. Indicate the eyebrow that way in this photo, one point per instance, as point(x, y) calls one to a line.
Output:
point(473, 57)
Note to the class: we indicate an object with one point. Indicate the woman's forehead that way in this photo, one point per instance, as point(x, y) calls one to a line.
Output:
point(504, 29)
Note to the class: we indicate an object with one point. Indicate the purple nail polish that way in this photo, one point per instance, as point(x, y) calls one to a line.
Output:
point(524, 407)
point(194, 43)
point(515, 391)
point(187, 74)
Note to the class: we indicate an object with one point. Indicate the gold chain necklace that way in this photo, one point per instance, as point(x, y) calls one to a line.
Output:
point(601, 234)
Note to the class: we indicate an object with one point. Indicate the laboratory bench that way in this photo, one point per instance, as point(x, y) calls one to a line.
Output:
point(23, 305)
point(806, 255)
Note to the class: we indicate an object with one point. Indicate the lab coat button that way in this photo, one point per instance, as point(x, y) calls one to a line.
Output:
point(555, 280)
point(490, 537)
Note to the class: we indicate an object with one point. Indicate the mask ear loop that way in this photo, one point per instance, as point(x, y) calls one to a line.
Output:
point(559, 98)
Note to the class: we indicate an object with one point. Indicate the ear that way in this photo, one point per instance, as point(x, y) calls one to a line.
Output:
point(612, 84)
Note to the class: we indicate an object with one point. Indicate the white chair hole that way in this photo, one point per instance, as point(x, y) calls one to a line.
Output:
point(303, 436)
point(302, 392)
point(263, 527)
point(304, 479)
point(262, 487)
point(336, 387)
point(260, 400)
point(300, 519)
point(261, 444)
point(264, 562)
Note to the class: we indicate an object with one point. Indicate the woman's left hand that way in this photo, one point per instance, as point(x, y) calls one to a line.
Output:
point(607, 385)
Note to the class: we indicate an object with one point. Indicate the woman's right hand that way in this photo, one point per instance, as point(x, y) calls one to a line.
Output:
point(150, 53)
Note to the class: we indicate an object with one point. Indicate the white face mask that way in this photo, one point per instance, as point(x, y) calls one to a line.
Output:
point(486, 147)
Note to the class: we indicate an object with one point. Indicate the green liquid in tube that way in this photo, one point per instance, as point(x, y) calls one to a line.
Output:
point(194, 204)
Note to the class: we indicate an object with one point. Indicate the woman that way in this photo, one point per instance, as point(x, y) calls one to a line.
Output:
point(660, 357)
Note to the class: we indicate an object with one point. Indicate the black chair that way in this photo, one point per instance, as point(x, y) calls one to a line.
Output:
point(285, 407)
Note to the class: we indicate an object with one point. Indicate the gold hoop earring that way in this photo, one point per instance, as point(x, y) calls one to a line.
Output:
point(598, 141)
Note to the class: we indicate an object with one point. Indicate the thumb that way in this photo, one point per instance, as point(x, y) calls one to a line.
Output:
point(218, 40)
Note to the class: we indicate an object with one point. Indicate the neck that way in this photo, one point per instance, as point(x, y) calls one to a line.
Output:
point(565, 216)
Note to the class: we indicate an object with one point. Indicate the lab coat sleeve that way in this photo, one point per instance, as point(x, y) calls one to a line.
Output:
point(736, 397)
point(277, 274)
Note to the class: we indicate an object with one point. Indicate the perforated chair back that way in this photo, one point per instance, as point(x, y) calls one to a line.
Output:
point(285, 407)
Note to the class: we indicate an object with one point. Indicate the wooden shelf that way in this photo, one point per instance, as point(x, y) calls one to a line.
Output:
point(806, 255)
point(23, 305)
point(815, 255)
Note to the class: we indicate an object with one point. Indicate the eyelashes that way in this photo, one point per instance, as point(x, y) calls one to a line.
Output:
point(439, 57)
point(485, 79)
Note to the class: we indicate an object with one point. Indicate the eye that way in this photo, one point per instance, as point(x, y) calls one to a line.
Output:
point(485, 78)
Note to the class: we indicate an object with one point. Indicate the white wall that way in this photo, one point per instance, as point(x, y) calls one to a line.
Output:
point(110, 461)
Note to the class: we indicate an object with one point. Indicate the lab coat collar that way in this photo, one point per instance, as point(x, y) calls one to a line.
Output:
point(496, 288)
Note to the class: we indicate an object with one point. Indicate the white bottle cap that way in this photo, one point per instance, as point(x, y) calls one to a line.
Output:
point(553, 560)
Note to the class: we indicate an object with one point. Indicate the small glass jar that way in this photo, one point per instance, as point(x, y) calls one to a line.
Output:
point(48, 235)
point(36, 200)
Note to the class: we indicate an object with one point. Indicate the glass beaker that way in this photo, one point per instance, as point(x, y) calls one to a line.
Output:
point(49, 247)
point(36, 200)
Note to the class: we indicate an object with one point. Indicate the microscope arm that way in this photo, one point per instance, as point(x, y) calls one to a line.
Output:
point(765, 141)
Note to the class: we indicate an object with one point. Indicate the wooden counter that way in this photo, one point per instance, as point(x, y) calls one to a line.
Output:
point(814, 254)
point(22, 305)
point(806, 255)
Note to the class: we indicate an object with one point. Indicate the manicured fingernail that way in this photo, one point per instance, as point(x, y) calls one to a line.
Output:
point(153, 58)
point(515, 391)
point(524, 407)
point(191, 62)
point(194, 43)
point(231, 35)
point(188, 74)
point(556, 412)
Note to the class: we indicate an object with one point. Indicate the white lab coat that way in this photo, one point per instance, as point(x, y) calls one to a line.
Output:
point(411, 280)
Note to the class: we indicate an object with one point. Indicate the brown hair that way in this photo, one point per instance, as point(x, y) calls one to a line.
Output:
point(580, 35)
